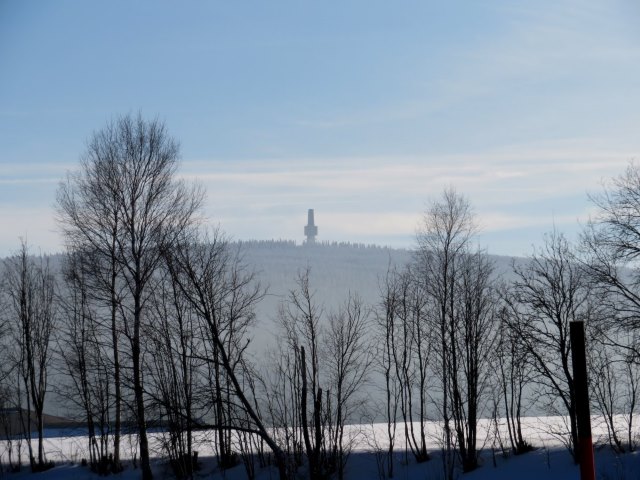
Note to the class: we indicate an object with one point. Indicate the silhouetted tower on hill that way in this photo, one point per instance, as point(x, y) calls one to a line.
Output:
point(310, 230)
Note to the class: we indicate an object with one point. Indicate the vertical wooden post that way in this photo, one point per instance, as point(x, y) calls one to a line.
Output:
point(581, 392)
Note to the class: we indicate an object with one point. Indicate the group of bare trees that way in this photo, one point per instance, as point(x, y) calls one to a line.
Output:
point(314, 387)
point(153, 313)
point(610, 250)
point(30, 317)
point(120, 213)
point(438, 324)
point(458, 343)
point(148, 321)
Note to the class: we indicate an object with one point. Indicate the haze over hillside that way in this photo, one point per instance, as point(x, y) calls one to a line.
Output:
point(336, 269)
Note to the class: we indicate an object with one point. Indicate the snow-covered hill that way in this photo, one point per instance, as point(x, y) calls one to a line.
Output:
point(336, 269)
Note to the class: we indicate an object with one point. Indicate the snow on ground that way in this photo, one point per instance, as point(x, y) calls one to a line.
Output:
point(550, 460)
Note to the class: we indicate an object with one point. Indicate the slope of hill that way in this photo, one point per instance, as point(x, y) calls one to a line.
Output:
point(335, 270)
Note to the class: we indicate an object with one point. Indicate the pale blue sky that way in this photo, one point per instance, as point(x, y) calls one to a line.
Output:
point(363, 110)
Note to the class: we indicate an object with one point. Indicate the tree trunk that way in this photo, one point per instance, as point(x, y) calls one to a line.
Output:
point(116, 370)
point(139, 399)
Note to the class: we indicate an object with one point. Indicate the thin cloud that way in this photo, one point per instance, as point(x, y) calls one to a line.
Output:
point(35, 224)
point(28, 180)
point(383, 196)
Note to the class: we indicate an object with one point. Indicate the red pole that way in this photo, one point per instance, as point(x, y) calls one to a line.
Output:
point(581, 392)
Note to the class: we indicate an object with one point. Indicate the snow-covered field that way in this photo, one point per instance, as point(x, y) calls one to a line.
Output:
point(550, 459)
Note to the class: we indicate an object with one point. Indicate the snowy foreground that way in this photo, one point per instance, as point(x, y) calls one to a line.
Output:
point(550, 459)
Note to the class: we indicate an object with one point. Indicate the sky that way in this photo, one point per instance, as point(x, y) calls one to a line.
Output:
point(363, 110)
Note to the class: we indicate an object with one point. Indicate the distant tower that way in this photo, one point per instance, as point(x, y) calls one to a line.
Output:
point(310, 230)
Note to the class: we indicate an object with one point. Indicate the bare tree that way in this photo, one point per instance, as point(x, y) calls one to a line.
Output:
point(348, 355)
point(300, 318)
point(10, 432)
point(30, 287)
point(473, 335)
point(175, 372)
point(444, 242)
point(10, 383)
point(611, 251)
point(89, 213)
point(223, 293)
point(615, 383)
point(85, 363)
point(387, 321)
point(410, 349)
point(282, 384)
point(514, 376)
point(324, 362)
point(549, 292)
point(127, 206)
